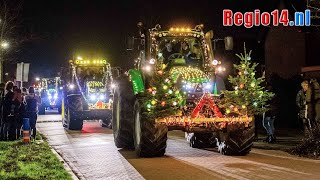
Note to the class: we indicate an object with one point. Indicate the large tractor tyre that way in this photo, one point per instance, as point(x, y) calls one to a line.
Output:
point(150, 138)
point(236, 143)
point(73, 108)
point(202, 140)
point(122, 113)
point(42, 110)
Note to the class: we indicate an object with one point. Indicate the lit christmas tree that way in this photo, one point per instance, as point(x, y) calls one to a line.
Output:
point(161, 98)
point(248, 97)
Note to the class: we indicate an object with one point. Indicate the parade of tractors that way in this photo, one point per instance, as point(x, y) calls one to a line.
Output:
point(172, 86)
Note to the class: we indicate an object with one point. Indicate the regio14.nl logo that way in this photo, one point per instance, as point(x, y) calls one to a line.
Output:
point(257, 18)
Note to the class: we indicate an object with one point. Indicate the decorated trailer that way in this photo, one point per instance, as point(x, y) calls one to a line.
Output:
point(173, 87)
point(88, 93)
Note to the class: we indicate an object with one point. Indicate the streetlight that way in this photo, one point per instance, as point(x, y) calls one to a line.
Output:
point(4, 45)
point(216, 69)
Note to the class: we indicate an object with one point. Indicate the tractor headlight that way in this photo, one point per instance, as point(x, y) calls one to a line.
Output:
point(55, 96)
point(102, 97)
point(93, 97)
point(71, 86)
point(188, 86)
point(208, 87)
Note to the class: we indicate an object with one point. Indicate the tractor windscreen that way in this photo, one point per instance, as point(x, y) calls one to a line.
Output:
point(91, 79)
point(180, 51)
point(52, 84)
point(90, 73)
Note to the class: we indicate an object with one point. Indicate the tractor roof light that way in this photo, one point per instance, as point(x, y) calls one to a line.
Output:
point(181, 29)
point(88, 62)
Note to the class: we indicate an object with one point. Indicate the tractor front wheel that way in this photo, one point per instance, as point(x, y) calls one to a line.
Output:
point(122, 114)
point(73, 108)
point(150, 138)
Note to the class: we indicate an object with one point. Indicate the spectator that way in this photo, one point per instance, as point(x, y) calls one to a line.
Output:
point(32, 101)
point(270, 116)
point(313, 102)
point(301, 103)
point(19, 111)
point(7, 109)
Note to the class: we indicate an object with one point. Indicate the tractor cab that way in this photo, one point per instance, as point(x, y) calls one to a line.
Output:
point(91, 78)
point(180, 51)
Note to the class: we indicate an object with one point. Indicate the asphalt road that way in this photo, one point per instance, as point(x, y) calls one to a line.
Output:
point(91, 154)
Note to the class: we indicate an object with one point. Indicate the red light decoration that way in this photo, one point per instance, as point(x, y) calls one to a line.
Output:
point(206, 99)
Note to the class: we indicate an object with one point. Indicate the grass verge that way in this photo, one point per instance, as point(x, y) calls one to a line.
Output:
point(31, 161)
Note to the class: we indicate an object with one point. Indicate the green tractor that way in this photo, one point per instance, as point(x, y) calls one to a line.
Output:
point(144, 109)
point(88, 92)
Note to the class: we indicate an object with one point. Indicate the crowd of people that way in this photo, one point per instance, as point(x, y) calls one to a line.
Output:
point(17, 104)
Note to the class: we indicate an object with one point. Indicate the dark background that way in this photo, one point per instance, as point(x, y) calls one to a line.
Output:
point(95, 27)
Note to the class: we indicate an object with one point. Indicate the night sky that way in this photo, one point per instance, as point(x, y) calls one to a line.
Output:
point(64, 28)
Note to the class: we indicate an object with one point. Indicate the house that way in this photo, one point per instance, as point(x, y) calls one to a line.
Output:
point(288, 49)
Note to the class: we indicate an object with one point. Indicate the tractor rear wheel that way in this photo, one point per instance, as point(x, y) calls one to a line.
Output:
point(122, 114)
point(236, 143)
point(150, 138)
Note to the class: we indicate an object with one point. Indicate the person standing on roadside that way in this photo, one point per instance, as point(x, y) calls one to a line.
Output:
point(270, 116)
point(19, 110)
point(302, 105)
point(7, 109)
point(32, 101)
point(313, 103)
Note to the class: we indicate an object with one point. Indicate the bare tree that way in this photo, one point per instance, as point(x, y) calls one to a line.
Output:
point(9, 24)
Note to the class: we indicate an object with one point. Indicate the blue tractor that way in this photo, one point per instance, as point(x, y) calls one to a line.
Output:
point(51, 94)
